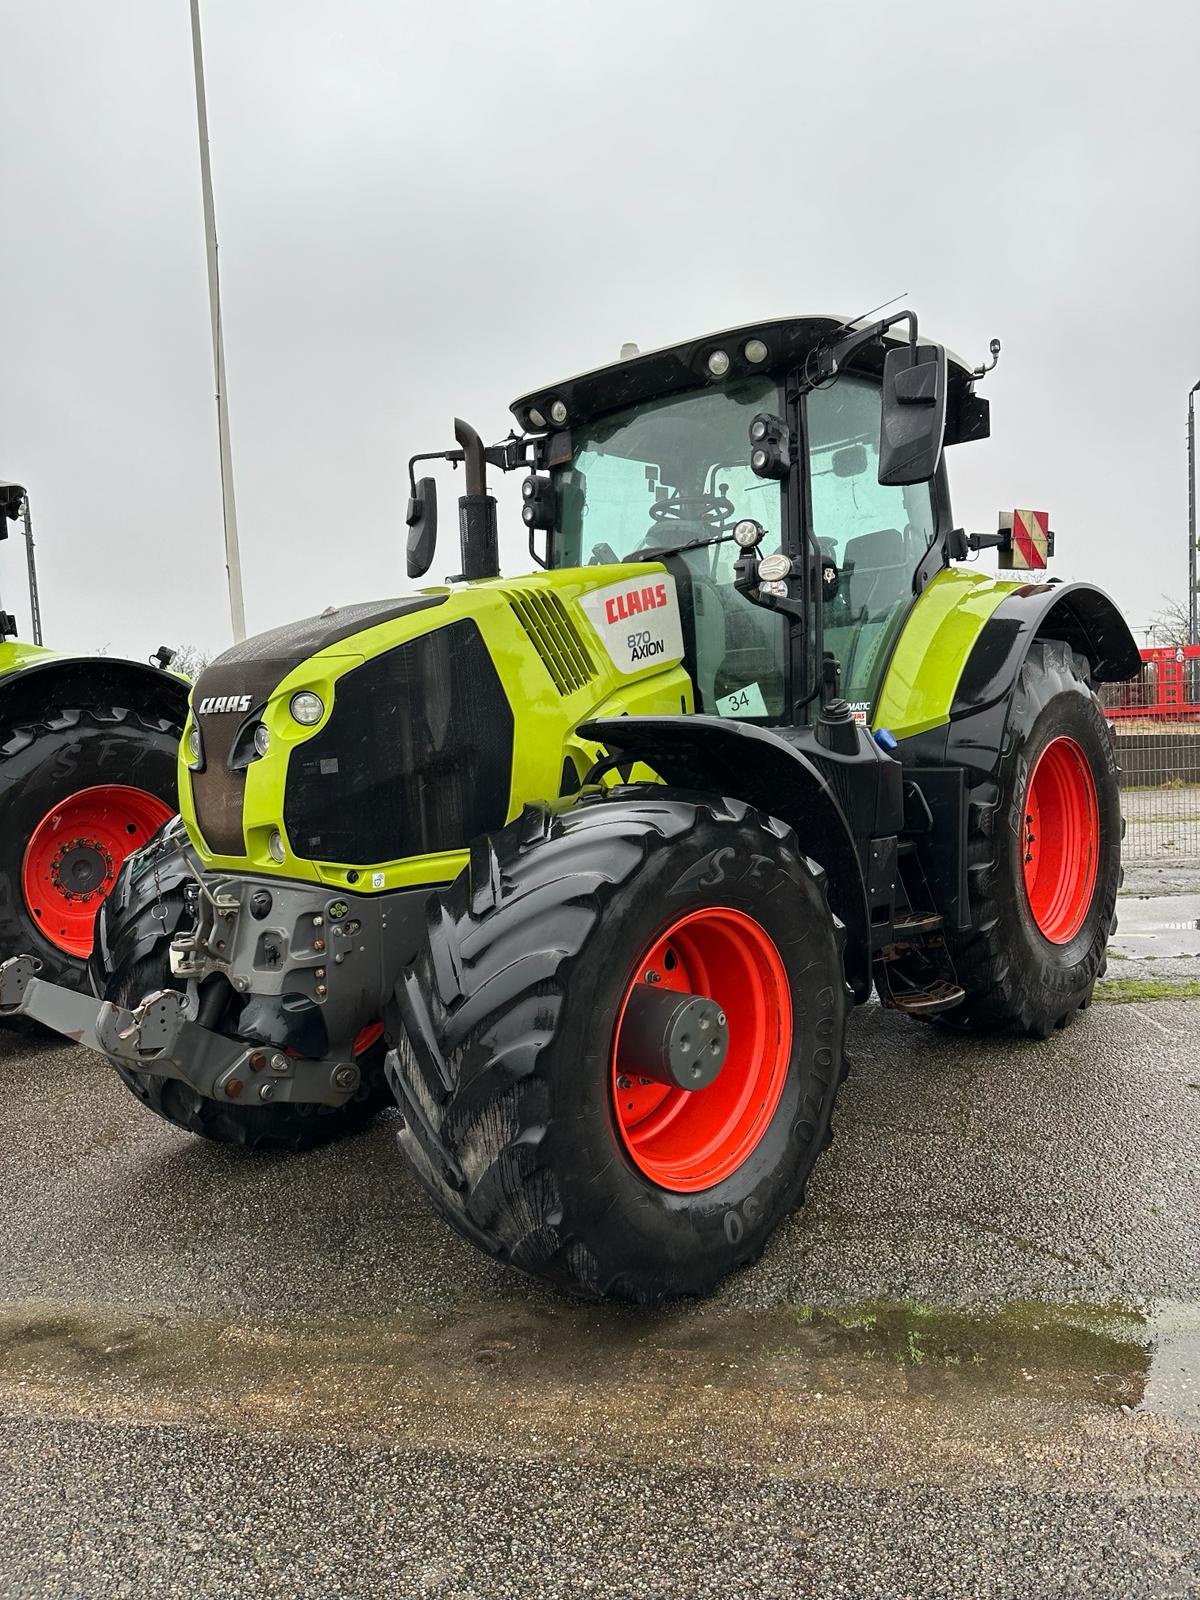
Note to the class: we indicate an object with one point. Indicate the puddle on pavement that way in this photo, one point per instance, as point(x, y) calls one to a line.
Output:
point(1146, 1362)
point(694, 1373)
point(1158, 926)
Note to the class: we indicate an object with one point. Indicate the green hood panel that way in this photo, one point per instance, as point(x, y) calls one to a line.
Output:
point(931, 652)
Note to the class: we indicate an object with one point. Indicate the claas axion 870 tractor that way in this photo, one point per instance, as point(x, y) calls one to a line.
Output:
point(586, 867)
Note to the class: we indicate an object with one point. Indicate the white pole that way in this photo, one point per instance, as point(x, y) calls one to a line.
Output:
point(233, 560)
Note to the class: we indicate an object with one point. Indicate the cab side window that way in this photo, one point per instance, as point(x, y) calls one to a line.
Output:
point(875, 536)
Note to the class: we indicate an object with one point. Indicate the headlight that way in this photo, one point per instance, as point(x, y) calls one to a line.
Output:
point(262, 739)
point(275, 846)
point(195, 746)
point(307, 708)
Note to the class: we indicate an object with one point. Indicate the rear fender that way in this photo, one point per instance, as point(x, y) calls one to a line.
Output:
point(1081, 616)
point(755, 765)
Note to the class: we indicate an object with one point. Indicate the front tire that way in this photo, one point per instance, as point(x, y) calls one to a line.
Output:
point(1044, 862)
point(516, 1118)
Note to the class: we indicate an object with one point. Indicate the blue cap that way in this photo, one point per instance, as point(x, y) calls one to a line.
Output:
point(885, 739)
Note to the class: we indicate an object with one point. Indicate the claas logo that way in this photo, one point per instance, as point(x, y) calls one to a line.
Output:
point(632, 602)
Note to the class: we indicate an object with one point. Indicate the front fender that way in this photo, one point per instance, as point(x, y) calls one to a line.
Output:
point(755, 765)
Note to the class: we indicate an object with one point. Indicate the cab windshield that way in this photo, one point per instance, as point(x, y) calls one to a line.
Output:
point(660, 474)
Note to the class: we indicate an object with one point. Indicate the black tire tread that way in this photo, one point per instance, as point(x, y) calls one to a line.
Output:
point(475, 1119)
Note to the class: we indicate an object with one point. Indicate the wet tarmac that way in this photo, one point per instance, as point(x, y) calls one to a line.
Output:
point(968, 1367)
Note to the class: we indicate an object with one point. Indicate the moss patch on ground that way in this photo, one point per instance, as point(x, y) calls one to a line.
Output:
point(1129, 990)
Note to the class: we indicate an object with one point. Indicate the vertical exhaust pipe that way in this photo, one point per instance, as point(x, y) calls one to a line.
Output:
point(477, 532)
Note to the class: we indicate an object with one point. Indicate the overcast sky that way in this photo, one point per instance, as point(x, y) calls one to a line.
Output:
point(429, 209)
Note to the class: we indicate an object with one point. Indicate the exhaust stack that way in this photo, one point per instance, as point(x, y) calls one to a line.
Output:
point(477, 533)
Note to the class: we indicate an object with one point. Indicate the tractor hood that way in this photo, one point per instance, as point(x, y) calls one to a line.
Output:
point(366, 747)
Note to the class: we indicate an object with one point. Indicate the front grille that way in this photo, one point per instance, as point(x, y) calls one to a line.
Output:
point(416, 756)
point(555, 638)
point(252, 670)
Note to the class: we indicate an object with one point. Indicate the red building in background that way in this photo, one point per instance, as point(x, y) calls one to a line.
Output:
point(1168, 686)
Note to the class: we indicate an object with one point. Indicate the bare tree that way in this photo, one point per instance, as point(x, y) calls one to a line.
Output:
point(190, 660)
point(1169, 624)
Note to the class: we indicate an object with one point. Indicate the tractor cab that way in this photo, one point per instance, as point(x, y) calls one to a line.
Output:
point(653, 458)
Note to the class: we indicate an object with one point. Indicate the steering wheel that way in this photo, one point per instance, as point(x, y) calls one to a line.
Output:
point(710, 511)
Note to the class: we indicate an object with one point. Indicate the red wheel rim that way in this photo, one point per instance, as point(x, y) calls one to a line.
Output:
point(688, 1140)
point(74, 854)
point(1061, 840)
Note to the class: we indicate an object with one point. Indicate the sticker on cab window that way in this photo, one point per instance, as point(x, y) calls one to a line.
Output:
point(747, 702)
point(637, 621)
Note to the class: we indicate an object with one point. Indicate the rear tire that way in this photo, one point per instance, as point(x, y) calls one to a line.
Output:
point(505, 1064)
point(1031, 959)
point(43, 766)
point(149, 904)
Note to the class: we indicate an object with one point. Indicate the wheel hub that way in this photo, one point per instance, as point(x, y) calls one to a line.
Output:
point(683, 1130)
point(81, 868)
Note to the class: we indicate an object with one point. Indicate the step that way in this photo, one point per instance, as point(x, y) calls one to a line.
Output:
point(939, 996)
point(929, 922)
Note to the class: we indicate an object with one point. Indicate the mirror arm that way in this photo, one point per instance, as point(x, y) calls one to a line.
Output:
point(828, 360)
point(453, 456)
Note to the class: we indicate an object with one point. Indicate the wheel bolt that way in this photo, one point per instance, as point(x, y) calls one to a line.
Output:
point(653, 977)
point(625, 1083)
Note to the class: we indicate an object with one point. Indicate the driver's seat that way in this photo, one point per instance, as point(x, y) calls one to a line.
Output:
point(877, 572)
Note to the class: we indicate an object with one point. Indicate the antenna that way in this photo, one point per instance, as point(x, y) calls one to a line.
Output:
point(233, 558)
point(863, 315)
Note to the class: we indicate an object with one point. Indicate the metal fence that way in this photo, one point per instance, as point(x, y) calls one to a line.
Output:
point(1160, 791)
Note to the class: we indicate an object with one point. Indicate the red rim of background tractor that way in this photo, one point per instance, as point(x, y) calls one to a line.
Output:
point(687, 1140)
point(74, 854)
point(1062, 840)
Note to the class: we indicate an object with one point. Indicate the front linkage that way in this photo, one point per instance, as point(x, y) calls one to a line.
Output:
point(161, 1036)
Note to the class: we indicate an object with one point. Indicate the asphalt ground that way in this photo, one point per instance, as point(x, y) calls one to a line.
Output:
point(967, 1368)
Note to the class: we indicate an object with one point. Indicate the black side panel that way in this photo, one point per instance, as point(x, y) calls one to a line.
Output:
point(416, 755)
point(942, 847)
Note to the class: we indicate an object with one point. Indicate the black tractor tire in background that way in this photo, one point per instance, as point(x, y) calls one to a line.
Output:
point(43, 765)
point(1017, 979)
point(149, 904)
point(504, 1065)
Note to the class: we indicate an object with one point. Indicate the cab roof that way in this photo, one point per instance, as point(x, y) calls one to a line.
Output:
point(654, 373)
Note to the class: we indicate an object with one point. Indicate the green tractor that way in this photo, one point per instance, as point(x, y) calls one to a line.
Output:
point(88, 750)
point(585, 868)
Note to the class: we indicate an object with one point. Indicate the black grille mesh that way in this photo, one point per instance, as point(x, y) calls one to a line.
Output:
point(416, 756)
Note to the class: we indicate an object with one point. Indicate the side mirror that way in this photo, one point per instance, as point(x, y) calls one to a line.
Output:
point(912, 422)
point(421, 518)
